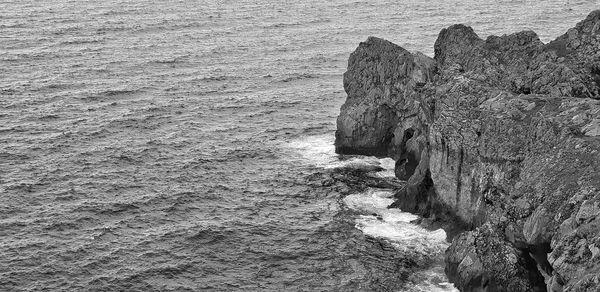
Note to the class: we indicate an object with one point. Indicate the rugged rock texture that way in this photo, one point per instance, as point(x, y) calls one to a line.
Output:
point(379, 76)
point(500, 136)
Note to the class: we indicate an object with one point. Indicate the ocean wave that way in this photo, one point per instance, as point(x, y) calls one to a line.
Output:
point(61, 226)
point(218, 78)
point(320, 151)
point(114, 208)
point(80, 41)
point(300, 76)
point(97, 95)
point(7, 156)
point(13, 25)
point(296, 24)
point(115, 92)
point(395, 227)
point(166, 61)
point(48, 117)
point(208, 236)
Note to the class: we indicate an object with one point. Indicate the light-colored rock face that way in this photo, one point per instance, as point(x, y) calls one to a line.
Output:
point(502, 135)
point(592, 129)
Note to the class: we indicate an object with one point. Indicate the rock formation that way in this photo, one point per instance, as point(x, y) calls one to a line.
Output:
point(499, 136)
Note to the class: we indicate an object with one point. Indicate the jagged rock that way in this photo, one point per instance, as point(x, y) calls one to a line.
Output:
point(482, 260)
point(579, 48)
point(521, 63)
point(378, 78)
point(500, 135)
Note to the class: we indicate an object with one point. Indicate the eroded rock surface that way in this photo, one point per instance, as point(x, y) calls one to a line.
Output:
point(380, 75)
point(501, 136)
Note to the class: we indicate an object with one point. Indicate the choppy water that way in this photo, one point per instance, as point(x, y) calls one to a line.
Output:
point(186, 145)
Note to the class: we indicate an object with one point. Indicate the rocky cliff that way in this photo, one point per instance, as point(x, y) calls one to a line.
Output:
point(499, 136)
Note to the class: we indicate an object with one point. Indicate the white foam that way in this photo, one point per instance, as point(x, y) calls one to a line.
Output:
point(376, 201)
point(377, 220)
point(431, 280)
point(320, 151)
point(389, 166)
point(432, 286)
point(403, 235)
point(394, 226)
point(317, 150)
point(362, 162)
point(373, 201)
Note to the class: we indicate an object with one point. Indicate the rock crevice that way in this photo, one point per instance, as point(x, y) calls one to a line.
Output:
point(498, 136)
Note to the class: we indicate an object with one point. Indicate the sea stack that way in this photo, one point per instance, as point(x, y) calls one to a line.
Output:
point(499, 136)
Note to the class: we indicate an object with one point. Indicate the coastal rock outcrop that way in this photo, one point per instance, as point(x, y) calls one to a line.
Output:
point(379, 77)
point(500, 137)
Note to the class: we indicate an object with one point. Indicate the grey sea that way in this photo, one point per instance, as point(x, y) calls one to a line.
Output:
point(188, 145)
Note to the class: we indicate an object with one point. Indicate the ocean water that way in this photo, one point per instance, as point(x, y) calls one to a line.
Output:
point(187, 145)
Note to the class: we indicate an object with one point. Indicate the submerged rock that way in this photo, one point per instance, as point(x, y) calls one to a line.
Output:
point(499, 136)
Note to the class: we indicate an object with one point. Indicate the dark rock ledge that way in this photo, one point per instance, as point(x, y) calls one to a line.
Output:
point(500, 137)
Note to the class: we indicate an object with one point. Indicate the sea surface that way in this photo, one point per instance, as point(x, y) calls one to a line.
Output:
point(187, 145)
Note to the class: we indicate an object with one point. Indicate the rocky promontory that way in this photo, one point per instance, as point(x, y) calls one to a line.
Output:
point(498, 137)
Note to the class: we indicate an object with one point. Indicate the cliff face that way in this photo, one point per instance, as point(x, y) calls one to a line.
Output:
point(501, 136)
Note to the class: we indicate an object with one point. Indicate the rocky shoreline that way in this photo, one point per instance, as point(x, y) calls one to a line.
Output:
point(498, 139)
